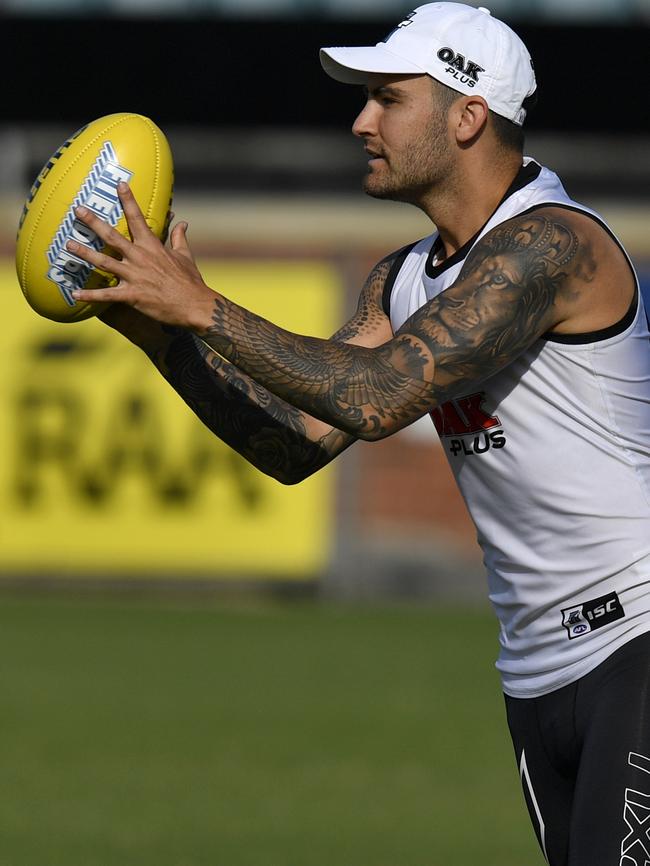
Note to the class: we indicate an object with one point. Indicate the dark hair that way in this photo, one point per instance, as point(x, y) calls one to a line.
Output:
point(445, 95)
point(508, 134)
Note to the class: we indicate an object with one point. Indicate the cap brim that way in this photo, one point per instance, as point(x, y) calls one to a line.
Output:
point(354, 65)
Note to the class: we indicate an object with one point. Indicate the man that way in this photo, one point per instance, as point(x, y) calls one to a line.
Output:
point(521, 314)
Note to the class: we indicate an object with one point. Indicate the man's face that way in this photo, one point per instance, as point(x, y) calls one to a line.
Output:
point(406, 137)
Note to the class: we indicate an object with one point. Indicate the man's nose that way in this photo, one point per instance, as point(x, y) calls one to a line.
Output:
point(366, 121)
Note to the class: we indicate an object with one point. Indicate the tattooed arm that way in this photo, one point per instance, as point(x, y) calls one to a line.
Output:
point(522, 279)
point(546, 270)
point(274, 436)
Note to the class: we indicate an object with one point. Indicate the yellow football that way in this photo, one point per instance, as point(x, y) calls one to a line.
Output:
point(85, 170)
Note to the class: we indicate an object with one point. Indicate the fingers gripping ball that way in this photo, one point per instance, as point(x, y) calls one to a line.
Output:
point(86, 170)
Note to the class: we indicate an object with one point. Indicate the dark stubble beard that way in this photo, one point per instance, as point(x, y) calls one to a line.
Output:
point(423, 165)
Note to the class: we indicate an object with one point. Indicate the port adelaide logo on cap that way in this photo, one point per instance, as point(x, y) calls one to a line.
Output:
point(590, 615)
point(405, 23)
point(463, 70)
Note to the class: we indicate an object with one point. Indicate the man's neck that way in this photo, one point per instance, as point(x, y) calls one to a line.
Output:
point(467, 203)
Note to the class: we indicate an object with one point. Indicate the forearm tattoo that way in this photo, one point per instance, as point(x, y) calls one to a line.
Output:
point(265, 430)
point(369, 317)
point(500, 304)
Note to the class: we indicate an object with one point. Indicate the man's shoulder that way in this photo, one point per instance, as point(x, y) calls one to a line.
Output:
point(545, 223)
point(570, 251)
point(383, 276)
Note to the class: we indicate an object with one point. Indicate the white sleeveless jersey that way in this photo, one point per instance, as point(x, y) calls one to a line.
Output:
point(552, 456)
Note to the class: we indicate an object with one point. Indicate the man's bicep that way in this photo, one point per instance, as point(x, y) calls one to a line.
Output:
point(369, 326)
point(507, 295)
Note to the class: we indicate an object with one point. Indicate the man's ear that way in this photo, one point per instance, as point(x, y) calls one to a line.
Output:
point(470, 116)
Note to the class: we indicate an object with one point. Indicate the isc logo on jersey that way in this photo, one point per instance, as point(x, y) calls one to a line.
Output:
point(590, 615)
point(466, 427)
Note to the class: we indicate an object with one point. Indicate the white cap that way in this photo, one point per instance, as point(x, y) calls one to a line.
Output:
point(463, 47)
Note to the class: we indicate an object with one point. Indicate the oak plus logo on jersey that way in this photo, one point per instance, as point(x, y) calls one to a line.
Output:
point(459, 67)
point(590, 615)
point(466, 428)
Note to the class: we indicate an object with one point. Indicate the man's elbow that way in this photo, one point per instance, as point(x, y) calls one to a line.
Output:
point(290, 480)
point(376, 431)
point(291, 477)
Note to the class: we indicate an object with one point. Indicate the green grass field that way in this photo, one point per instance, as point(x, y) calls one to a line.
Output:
point(152, 733)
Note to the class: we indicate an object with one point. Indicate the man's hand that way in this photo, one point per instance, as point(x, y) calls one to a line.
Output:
point(163, 283)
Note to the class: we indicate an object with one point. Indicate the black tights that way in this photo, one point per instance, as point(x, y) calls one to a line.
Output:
point(583, 753)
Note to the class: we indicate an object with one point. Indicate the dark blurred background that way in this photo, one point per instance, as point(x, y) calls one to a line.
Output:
point(237, 69)
point(248, 72)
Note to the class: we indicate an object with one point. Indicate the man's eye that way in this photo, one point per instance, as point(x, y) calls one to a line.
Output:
point(499, 279)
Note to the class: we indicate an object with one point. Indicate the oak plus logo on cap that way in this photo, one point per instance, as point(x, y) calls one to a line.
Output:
point(464, 71)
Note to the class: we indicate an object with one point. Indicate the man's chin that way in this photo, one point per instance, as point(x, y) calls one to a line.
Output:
point(378, 188)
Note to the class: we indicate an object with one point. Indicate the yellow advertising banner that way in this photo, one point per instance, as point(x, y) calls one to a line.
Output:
point(105, 470)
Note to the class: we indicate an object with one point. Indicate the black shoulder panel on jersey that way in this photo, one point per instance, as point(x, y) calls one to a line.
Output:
point(395, 268)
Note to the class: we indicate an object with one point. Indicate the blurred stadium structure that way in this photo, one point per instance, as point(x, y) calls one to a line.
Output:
point(575, 10)
point(268, 177)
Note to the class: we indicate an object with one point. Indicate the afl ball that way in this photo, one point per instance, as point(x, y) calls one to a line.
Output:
point(85, 170)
